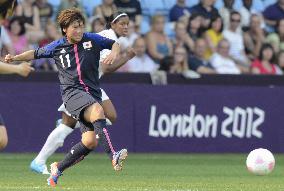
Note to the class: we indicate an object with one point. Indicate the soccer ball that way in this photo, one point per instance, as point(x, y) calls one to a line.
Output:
point(260, 162)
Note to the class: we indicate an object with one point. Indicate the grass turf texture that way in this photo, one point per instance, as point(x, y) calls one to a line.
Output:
point(145, 172)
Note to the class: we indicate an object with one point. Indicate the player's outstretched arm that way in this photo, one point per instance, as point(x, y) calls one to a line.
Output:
point(22, 69)
point(25, 56)
point(113, 54)
point(119, 62)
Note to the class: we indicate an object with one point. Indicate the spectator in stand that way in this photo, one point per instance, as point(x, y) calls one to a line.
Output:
point(254, 37)
point(213, 35)
point(206, 9)
point(226, 11)
point(176, 64)
point(158, 43)
point(97, 24)
point(197, 61)
point(194, 26)
point(45, 11)
point(264, 64)
point(179, 10)
point(274, 12)
point(105, 10)
point(141, 62)
point(221, 60)
point(280, 61)
point(182, 38)
point(132, 8)
point(51, 34)
point(17, 33)
point(128, 41)
point(276, 39)
point(180, 61)
point(237, 50)
point(30, 16)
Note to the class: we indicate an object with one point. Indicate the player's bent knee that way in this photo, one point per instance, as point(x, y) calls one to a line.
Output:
point(89, 139)
point(90, 143)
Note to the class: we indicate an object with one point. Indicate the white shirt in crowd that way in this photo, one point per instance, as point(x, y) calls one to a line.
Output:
point(224, 65)
point(236, 45)
point(141, 64)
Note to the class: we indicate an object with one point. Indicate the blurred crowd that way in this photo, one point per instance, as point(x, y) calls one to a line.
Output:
point(208, 37)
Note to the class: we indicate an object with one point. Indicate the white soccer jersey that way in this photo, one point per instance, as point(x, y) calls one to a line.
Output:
point(108, 33)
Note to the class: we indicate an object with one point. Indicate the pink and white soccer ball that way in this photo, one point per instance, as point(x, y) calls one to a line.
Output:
point(260, 161)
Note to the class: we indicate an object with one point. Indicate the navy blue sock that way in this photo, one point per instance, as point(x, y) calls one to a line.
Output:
point(104, 139)
point(76, 154)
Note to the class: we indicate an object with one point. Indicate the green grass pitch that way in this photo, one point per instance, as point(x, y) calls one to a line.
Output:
point(145, 172)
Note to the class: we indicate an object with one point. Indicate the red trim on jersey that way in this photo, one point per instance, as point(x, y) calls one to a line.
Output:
point(79, 68)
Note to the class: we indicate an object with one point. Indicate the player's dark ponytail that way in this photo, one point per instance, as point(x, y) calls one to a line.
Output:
point(114, 18)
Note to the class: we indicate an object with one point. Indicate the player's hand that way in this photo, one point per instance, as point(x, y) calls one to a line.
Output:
point(110, 58)
point(130, 53)
point(9, 58)
point(24, 69)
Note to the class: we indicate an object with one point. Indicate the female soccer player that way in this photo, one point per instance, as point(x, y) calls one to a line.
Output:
point(77, 57)
point(116, 27)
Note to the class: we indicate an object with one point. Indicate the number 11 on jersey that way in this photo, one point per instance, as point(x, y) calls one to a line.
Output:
point(62, 60)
